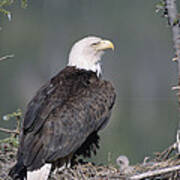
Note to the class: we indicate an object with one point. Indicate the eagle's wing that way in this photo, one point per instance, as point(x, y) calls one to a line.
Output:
point(40, 106)
point(85, 114)
point(56, 127)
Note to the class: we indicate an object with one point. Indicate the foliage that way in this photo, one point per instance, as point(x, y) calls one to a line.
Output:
point(4, 4)
point(16, 114)
point(12, 140)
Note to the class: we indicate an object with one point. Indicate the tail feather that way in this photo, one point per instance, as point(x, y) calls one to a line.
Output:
point(18, 172)
point(40, 174)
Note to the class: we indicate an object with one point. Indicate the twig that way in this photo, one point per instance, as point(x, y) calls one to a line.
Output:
point(9, 131)
point(18, 119)
point(166, 153)
point(155, 172)
point(6, 57)
point(175, 88)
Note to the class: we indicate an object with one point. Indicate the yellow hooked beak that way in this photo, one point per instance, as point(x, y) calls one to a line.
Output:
point(104, 44)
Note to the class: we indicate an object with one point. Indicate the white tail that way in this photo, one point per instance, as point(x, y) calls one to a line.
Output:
point(40, 174)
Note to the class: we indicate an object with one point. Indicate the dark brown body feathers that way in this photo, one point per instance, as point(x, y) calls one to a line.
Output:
point(65, 113)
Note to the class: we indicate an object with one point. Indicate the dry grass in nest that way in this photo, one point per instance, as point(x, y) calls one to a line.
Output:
point(160, 167)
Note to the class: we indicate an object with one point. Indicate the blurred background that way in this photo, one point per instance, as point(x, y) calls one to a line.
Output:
point(145, 116)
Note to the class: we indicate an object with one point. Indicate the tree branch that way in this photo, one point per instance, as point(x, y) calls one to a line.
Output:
point(155, 172)
point(9, 131)
point(6, 57)
point(173, 20)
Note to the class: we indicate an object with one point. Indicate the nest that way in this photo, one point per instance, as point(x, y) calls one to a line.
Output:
point(161, 167)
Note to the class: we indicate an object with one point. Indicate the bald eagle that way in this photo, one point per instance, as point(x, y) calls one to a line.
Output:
point(63, 119)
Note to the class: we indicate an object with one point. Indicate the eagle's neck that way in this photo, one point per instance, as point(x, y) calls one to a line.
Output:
point(95, 68)
point(88, 62)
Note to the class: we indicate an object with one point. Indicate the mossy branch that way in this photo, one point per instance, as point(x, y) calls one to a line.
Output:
point(169, 9)
point(173, 20)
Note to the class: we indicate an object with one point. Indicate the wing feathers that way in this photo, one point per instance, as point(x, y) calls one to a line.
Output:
point(63, 114)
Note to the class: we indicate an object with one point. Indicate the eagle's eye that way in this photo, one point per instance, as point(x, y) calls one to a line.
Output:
point(95, 43)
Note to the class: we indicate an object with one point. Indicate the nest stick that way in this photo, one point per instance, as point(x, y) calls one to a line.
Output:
point(155, 172)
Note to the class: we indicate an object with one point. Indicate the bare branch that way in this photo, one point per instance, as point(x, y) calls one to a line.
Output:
point(6, 57)
point(166, 153)
point(9, 131)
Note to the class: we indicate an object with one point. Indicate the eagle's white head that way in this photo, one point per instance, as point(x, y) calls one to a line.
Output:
point(87, 52)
